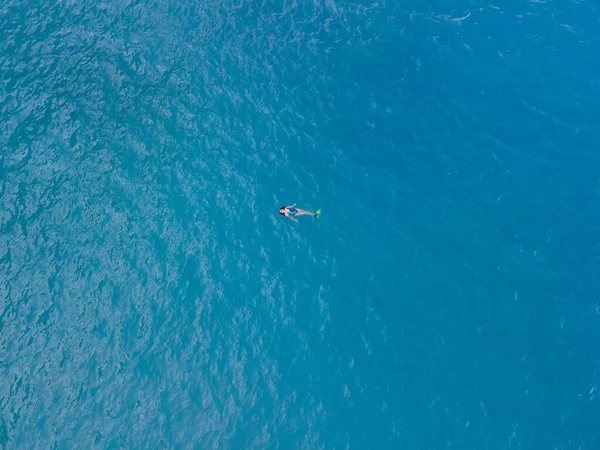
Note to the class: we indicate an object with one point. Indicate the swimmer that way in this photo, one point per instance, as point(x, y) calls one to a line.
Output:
point(292, 212)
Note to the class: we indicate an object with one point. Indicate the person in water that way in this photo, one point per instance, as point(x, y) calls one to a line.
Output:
point(292, 212)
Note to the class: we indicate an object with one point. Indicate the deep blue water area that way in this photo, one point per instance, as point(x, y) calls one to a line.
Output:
point(151, 296)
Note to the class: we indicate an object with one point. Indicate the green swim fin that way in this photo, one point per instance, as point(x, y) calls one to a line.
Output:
point(318, 213)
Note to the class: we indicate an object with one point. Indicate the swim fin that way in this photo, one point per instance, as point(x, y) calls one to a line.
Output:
point(318, 213)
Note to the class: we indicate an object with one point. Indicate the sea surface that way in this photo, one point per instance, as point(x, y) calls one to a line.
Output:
point(152, 297)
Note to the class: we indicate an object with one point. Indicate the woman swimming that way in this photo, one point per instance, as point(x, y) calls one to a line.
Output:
point(292, 212)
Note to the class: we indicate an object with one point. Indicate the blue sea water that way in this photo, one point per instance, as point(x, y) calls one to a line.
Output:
point(152, 297)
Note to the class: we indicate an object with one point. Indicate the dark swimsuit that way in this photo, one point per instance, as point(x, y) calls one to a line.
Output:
point(292, 211)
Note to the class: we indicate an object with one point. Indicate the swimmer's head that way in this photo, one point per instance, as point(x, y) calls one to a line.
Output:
point(282, 210)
